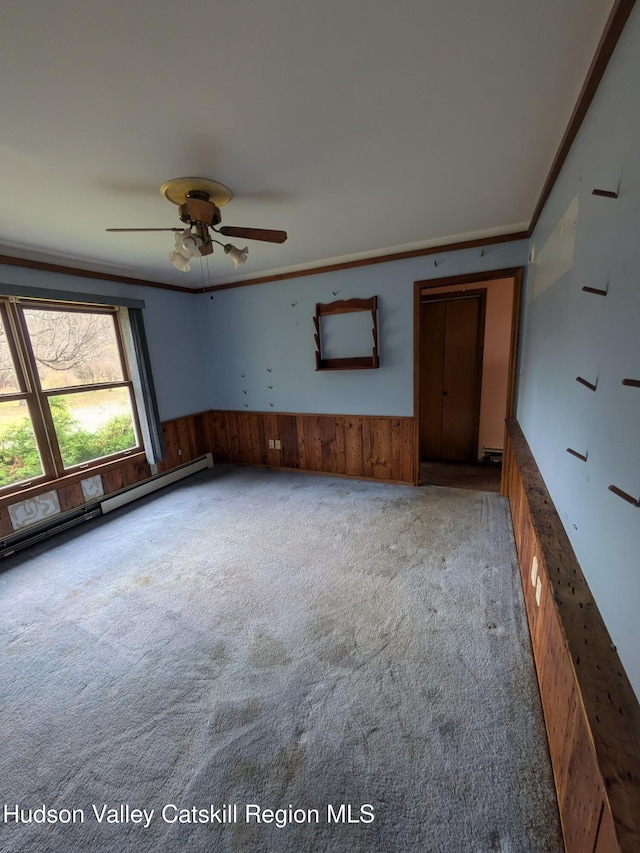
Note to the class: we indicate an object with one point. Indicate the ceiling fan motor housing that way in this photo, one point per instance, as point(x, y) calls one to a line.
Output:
point(199, 201)
point(198, 209)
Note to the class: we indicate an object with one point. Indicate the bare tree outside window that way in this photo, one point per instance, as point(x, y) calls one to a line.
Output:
point(74, 403)
point(8, 378)
point(73, 348)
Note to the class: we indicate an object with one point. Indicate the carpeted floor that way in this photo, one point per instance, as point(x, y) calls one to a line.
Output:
point(352, 656)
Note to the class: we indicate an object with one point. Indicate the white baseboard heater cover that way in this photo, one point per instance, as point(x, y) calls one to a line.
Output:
point(154, 483)
point(18, 541)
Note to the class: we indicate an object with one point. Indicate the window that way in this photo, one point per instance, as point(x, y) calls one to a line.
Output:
point(66, 395)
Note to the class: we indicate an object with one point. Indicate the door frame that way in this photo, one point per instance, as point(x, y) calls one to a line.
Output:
point(517, 274)
point(477, 293)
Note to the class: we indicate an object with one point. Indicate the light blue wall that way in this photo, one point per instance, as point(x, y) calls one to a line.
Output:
point(262, 335)
point(569, 333)
point(171, 323)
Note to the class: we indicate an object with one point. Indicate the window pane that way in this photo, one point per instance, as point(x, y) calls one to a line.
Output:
point(8, 378)
point(92, 424)
point(19, 457)
point(74, 348)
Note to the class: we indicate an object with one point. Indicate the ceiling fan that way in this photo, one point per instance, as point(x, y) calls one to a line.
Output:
point(199, 201)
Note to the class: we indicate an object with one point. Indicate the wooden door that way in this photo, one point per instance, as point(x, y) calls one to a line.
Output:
point(451, 331)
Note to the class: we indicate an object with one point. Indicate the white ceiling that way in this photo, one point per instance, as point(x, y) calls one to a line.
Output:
point(360, 127)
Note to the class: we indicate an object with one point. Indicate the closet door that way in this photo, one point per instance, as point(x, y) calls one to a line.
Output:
point(450, 376)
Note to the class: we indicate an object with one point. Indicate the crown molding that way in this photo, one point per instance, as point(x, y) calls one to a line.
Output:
point(607, 44)
point(10, 260)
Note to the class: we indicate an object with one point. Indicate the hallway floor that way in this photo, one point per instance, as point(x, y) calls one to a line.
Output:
point(478, 477)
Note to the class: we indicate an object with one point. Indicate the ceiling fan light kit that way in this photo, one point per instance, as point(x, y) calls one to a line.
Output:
point(199, 201)
point(179, 261)
point(238, 256)
point(187, 245)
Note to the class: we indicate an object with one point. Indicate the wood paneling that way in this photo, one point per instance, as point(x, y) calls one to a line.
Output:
point(69, 488)
point(378, 448)
point(606, 842)
point(135, 472)
point(357, 446)
point(185, 439)
point(112, 481)
point(6, 528)
point(71, 496)
point(591, 713)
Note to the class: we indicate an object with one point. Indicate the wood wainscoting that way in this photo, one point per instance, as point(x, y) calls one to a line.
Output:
point(70, 493)
point(380, 448)
point(591, 713)
point(185, 439)
point(369, 447)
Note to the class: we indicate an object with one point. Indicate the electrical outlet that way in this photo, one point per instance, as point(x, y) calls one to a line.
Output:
point(272, 444)
point(278, 444)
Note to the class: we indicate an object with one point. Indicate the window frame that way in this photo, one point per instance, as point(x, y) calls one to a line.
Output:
point(12, 310)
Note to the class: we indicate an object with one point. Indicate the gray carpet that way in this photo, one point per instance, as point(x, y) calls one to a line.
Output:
point(350, 655)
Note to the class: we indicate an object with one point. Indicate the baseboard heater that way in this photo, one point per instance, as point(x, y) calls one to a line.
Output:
point(18, 541)
point(492, 455)
point(159, 481)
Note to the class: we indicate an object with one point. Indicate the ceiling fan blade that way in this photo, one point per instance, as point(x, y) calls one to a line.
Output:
point(143, 229)
point(265, 234)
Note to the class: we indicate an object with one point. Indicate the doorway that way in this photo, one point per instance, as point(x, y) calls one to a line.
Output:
point(498, 348)
point(451, 344)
